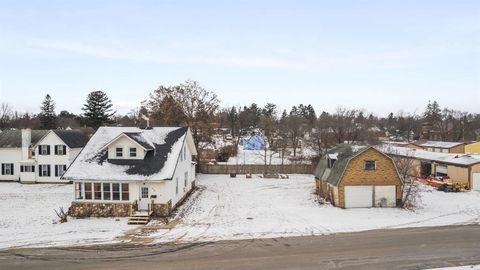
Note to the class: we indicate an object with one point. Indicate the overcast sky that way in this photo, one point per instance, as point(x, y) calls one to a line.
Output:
point(378, 55)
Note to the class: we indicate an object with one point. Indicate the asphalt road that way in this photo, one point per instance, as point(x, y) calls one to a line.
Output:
point(416, 248)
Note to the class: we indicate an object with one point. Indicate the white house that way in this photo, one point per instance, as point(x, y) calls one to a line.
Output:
point(55, 152)
point(125, 169)
point(38, 156)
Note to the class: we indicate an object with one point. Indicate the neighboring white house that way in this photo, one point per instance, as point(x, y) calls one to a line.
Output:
point(125, 168)
point(36, 156)
point(55, 152)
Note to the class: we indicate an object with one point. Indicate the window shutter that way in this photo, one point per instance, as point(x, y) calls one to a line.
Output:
point(48, 149)
point(64, 168)
point(40, 170)
point(22, 168)
point(3, 168)
point(64, 149)
point(13, 168)
point(56, 149)
point(39, 150)
point(48, 166)
point(56, 170)
point(33, 168)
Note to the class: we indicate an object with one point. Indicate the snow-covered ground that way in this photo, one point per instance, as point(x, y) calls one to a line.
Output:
point(239, 208)
point(27, 218)
point(258, 157)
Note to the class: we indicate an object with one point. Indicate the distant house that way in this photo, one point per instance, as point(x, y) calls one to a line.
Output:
point(473, 148)
point(443, 147)
point(38, 156)
point(351, 177)
point(125, 169)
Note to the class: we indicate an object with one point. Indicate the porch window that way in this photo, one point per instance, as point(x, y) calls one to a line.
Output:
point(116, 192)
point(97, 188)
point(107, 195)
point(370, 165)
point(125, 192)
point(78, 191)
point(27, 168)
point(88, 191)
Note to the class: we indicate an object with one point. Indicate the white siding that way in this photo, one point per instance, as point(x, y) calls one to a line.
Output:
point(11, 155)
point(124, 143)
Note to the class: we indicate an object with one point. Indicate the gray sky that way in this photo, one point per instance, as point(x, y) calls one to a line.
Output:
point(381, 56)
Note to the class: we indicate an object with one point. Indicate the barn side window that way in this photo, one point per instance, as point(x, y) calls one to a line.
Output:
point(370, 165)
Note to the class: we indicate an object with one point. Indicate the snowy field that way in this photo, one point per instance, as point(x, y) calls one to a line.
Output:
point(28, 218)
point(258, 157)
point(240, 208)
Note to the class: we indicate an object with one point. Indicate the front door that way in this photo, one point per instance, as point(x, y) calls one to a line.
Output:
point(143, 202)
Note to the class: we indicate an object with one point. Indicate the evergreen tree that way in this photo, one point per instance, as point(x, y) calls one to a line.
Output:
point(98, 109)
point(47, 115)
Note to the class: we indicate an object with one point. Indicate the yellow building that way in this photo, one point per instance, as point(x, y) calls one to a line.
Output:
point(473, 148)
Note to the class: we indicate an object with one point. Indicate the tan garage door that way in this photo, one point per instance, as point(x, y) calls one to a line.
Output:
point(385, 196)
point(476, 181)
point(358, 196)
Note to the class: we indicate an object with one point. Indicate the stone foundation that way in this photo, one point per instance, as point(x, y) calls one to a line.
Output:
point(93, 209)
point(162, 209)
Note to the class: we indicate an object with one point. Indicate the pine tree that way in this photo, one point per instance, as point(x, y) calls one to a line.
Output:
point(48, 118)
point(98, 109)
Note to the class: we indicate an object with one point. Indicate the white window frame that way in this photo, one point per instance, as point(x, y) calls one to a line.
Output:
point(43, 172)
point(43, 150)
point(61, 169)
point(118, 152)
point(130, 151)
point(8, 168)
point(60, 150)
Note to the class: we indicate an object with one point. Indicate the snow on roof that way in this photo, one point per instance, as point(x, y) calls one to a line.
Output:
point(441, 144)
point(455, 159)
point(92, 162)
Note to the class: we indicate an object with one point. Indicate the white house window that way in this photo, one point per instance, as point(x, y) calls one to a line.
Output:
point(186, 179)
point(44, 150)
point(116, 192)
point(78, 191)
point(7, 168)
point(119, 152)
point(133, 152)
point(44, 170)
point(184, 153)
point(370, 165)
point(27, 168)
point(60, 170)
point(176, 185)
point(60, 150)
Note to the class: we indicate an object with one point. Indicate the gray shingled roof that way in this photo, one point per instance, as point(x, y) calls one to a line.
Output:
point(72, 138)
point(333, 175)
point(13, 138)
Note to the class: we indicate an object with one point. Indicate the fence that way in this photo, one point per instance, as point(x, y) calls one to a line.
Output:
point(256, 169)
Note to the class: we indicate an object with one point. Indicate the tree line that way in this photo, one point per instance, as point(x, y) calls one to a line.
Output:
point(190, 104)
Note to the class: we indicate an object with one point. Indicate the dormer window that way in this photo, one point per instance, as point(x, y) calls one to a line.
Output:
point(331, 161)
point(119, 152)
point(133, 152)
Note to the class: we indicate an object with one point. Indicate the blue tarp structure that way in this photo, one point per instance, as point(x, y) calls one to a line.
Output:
point(254, 142)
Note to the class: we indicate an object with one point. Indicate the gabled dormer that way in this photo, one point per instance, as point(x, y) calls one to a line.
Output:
point(129, 146)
